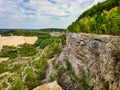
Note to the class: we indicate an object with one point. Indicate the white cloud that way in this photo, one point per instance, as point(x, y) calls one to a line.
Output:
point(49, 12)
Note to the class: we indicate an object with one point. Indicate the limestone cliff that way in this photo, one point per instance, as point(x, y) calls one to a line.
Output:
point(97, 55)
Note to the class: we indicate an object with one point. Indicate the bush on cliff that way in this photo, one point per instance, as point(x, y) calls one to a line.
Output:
point(26, 50)
point(9, 51)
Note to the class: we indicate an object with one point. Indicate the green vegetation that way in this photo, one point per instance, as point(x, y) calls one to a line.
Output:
point(18, 85)
point(85, 82)
point(9, 51)
point(23, 33)
point(52, 50)
point(29, 72)
point(24, 50)
point(55, 48)
point(26, 32)
point(52, 30)
point(70, 71)
point(103, 18)
point(53, 78)
point(19, 33)
point(27, 50)
point(3, 67)
point(44, 38)
point(31, 79)
point(96, 9)
point(41, 66)
point(44, 41)
point(30, 32)
point(55, 65)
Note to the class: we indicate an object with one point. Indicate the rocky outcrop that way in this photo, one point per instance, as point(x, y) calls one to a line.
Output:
point(49, 86)
point(16, 40)
point(56, 33)
point(97, 56)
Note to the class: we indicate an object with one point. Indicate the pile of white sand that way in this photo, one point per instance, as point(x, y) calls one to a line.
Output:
point(16, 40)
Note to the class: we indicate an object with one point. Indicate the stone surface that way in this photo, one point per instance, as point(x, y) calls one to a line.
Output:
point(56, 33)
point(49, 86)
point(3, 59)
point(93, 54)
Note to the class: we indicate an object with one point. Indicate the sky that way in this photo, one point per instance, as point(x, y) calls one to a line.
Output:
point(37, 14)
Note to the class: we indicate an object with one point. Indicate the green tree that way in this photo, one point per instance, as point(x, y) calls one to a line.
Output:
point(31, 79)
point(27, 50)
point(18, 85)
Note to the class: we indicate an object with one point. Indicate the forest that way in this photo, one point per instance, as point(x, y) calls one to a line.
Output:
point(103, 18)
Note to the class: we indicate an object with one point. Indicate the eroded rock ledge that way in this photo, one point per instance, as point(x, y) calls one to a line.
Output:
point(97, 55)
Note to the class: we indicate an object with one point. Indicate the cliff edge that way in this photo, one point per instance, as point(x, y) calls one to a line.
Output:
point(96, 55)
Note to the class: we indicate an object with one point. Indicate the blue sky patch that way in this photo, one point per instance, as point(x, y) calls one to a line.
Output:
point(36, 14)
point(26, 1)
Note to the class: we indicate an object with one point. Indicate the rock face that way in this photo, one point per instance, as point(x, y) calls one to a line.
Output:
point(95, 55)
point(49, 86)
point(16, 40)
point(56, 33)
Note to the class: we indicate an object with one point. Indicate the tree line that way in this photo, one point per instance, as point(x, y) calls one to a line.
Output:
point(107, 22)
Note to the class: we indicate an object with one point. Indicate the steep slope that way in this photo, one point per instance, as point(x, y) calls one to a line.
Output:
point(103, 18)
point(91, 61)
point(96, 56)
point(27, 69)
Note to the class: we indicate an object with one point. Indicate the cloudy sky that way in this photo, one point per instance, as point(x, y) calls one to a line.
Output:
point(36, 14)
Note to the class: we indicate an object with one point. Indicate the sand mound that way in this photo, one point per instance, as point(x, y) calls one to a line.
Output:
point(16, 40)
point(49, 86)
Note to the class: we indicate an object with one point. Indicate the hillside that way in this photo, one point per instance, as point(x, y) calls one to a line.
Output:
point(5, 31)
point(52, 30)
point(103, 18)
point(84, 57)
point(25, 67)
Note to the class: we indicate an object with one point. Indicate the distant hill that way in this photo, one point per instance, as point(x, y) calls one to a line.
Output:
point(52, 29)
point(103, 18)
point(4, 31)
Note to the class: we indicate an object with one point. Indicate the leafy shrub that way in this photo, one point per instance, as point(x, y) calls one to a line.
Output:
point(103, 22)
point(96, 9)
point(9, 51)
point(27, 50)
point(18, 85)
point(55, 48)
point(46, 42)
point(53, 78)
point(85, 83)
point(55, 65)
point(31, 79)
point(70, 71)
point(41, 66)
point(52, 50)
